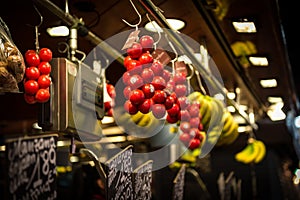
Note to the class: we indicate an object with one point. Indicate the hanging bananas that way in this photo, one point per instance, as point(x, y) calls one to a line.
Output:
point(217, 121)
point(254, 152)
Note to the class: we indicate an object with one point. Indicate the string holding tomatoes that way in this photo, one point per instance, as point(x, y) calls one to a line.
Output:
point(37, 76)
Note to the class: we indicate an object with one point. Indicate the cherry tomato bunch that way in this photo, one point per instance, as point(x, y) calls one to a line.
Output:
point(108, 105)
point(37, 75)
point(150, 87)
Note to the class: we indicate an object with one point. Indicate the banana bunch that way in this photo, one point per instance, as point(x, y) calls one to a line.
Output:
point(217, 121)
point(254, 152)
point(139, 119)
point(230, 130)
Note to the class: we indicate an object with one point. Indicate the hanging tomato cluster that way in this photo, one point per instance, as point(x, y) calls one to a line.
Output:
point(150, 87)
point(109, 105)
point(37, 76)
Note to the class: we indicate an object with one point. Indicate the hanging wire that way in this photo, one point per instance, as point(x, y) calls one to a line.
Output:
point(139, 15)
point(176, 54)
point(189, 77)
point(36, 29)
point(200, 83)
point(158, 32)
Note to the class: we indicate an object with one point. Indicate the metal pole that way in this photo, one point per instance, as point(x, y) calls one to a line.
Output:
point(82, 30)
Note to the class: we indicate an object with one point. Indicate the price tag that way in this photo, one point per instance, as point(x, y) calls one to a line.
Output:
point(161, 55)
point(178, 187)
point(32, 167)
point(119, 175)
point(133, 37)
point(142, 181)
point(180, 67)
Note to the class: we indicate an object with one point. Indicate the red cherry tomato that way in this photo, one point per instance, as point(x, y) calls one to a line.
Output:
point(130, 108)
point(31, 87)
point(111, 90)
point(135, 50)
point(185, 138)
point(44, 67)
point(158, 110)
point(147, 42)
point(194, 143)
point(32, 58)
point(44, 81)
point(146, 106)
point(30, 99)
point(32, 73)
point(136, 96)
point(146, 58)
point(45, 54)
point(126, 59)
point(42, 95)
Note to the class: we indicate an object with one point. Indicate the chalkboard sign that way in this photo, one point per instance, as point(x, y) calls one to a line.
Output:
point(178, 187)
point(142, 180)
point(32, 168)
point(119, 175)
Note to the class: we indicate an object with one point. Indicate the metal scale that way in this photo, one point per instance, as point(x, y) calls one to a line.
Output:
point(76, 105)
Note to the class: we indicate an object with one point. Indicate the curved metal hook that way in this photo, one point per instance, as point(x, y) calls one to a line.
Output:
point(139, 15)
point(40, 15)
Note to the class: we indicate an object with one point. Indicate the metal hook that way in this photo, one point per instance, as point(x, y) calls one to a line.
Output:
point(176, 54)
point(139, 15)
point(41, 18)
point(200, 83)
point(158, 32)
point(37, 46)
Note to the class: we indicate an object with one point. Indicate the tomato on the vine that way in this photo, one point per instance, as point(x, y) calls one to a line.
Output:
point(42, 95)
point(45, 54)
point(32, 58)
point(31, 87)
point(30, 99)
point(32, 73)
point(44, 81)
point(44, 67)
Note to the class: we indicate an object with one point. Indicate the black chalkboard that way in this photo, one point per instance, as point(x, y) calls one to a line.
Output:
point(178, 184)
point(142, 179)
point(119, 175)
point(32, 168)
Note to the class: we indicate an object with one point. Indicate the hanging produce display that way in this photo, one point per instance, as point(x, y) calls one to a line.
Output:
point(254, 152)
point(37, 78)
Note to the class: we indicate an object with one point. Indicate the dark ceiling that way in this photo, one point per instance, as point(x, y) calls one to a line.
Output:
point(104, 19)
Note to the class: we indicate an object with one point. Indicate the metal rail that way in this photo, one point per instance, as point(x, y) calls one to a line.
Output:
point(152, 9)
point(83, 31)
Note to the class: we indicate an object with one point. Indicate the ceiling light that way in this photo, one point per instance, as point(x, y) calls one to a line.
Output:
point(258, 61)
point(231, 109)
point(275, 112)
point(243, 129)
point(268, 83)
point(58, 31)
point(275, 99)
point(175, 24)
point(231, 95)
point(244, 26)
point(297, 122)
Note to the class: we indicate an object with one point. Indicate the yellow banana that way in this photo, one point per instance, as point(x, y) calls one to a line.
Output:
point(231, 129)
point(137, 117)
point(228, 139)
point(262, 151)
point(194, 96)
point(249, 153)
point(145, 120)
point(205, 111)
point(227, 121)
